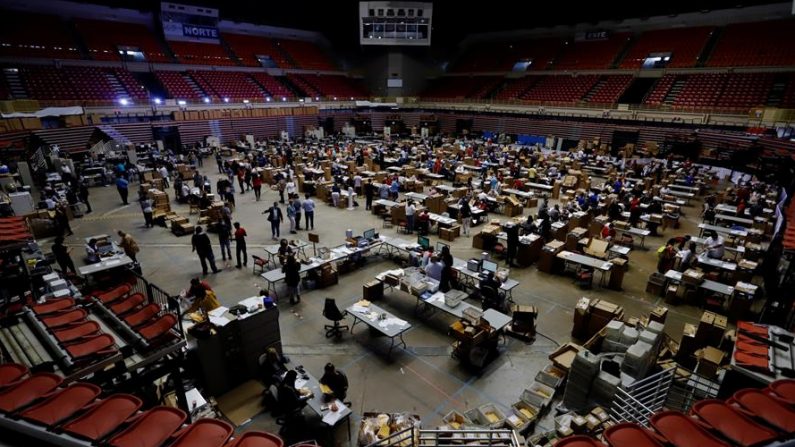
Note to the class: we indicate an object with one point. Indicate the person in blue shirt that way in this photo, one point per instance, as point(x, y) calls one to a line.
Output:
point(394, 188)
point(617, 186)
point(309, 212)
point(122, 185)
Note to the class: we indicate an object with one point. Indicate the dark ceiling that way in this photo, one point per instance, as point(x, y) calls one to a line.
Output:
point(452, 20)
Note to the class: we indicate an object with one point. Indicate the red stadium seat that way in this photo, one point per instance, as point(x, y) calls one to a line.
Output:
point(150, 429)
point(25, 392)
point(96, 346)
point(767, 408)
point(62, 405)
point(204, 433)
point(129, 303)
point(784, 389)
point(143, 315)
point(52, 306)
point(76, 331)
point(256, 439)
point(104, 417)
point(11, 374)
point(628, 434)
point(112, 294)
point(64, 318)
point(682, 431)
point(579, 441)
point(158, 327)
point(731, 423)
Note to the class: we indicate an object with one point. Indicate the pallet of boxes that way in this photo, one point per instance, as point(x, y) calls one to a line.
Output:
point(161, 206)
point(212, 216)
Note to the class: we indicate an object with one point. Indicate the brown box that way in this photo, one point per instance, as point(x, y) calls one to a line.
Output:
point(693, 276)
point(449, 234)
point(711, 329)
point(709, 360)
point(659, 314)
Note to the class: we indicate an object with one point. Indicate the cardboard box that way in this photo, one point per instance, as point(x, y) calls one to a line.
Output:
point(449, 234)
point(693, 276)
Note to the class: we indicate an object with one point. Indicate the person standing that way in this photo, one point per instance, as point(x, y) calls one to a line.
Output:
point(368, 195)
point(297, 207)
point(292, 278)
point(309, 212)
point(512, 233)
point(61, 253)
point(240, 244)
point(275, 217)
point(203, 247)
point(128, 244)
point(121, 185)
point(62, 220)
point(82, 194)
point(256, 181)
point(291, 216)
point(290, 187)
point(163, 171)
point(410, 209)
point(281, 186)
point(447, 269)
point(224, 238)
point(466, 215)
point(146, 208)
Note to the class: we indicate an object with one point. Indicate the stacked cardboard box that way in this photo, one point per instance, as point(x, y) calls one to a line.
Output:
point(583, 371)
point(591, 319)
point(711, 329)
point(161, 205)
point(181, 226)
point(212, 215)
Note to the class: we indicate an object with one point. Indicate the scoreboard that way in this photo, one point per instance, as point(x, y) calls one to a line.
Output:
point(395, 23)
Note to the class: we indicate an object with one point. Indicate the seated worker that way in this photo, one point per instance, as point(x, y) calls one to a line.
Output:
point(284, 251)
point(272, 367)
point(490, 295)
point(290, 402)
point(204, 298)
point(92, 255)
point(608, 232)
point(714, 245)
point(434, 268)
point(336, 380)
point(424, 222)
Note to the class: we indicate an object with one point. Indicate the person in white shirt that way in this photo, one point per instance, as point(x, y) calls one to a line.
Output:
point(357, 183)
point(686, 256)
point(434, 268)
point(164, 174)
point(290, 187)
point(714, 245)
point(410, 208)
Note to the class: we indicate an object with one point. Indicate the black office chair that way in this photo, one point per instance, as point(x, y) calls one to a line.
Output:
point(491, 298)
point(332, 312)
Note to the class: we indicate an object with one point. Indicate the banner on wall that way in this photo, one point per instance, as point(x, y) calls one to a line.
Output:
point(189, 32)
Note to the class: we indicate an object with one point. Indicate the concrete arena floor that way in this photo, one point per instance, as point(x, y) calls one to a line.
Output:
point(422, 379)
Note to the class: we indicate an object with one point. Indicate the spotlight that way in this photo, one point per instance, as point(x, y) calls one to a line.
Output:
point(226, 99)
point(123, 101)
point(182, 102)
point(206, 100)
point(158, 101)
point(245, 101)
point(284, 99)
point(268, 99)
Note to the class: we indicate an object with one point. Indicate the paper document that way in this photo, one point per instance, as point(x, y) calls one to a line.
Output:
point(217, 312)
point(332, 417)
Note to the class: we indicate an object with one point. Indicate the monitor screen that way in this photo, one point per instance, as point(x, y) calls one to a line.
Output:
point(439, 246)
point(489, 266)
point(369, 234)
point(424, 242)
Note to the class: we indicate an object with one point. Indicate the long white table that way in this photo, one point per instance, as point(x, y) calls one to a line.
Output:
point(712, 286)
point(597, 264)
point(382, 321)
point(273, 251)
point(702, 227)
point(318, 404)
point(734, 219)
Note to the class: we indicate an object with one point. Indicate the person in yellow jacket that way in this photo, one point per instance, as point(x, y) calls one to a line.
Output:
point(204, 298)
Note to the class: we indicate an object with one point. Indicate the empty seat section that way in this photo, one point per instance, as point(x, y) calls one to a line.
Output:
point(502, 56)
point(591, 54)
point(158, 328)
point(515, 88)
point(54, 305)
point(143, 315)
point(225, 84)
point(301, 83)
point(460, 87)
point(248, 48)
point(43, 82)
point(127, 304)
point(177, 86)
point(755, 44)
point(75, 331)
point(307, 55)
point(104, 417)
point(89, 83)
point(95, 346)
point(200, 53)
point(204, 433)
point(256, 439)
point(132, 86)
point(609, 88)
point(35, 35)
point(27, 391)
point(64, 318)
point(683, 431)
point(767, 408)
point(660, 90)
point(732, 424)
point(103, 39)
point(332, 85)
point(701, 90)
point(560, 88)
point(150, 429)
point(11, 374)
point(272, 85)
point(684, 44)
point(745, 90)
point(62, 405)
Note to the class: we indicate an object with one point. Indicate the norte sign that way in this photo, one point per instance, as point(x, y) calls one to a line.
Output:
point(200, 32)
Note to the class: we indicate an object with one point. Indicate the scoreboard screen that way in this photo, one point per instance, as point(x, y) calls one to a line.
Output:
point(395, 23)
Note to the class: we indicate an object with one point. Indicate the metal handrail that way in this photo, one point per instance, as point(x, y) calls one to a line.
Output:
point(449, 438)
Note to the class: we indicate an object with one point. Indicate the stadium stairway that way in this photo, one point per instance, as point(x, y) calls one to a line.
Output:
point(637, 91)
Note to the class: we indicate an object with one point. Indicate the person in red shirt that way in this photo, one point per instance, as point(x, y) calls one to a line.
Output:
point(257, 185)
point(518, 184)
point(608, 232)
point(240, 244)
point(437, 166)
